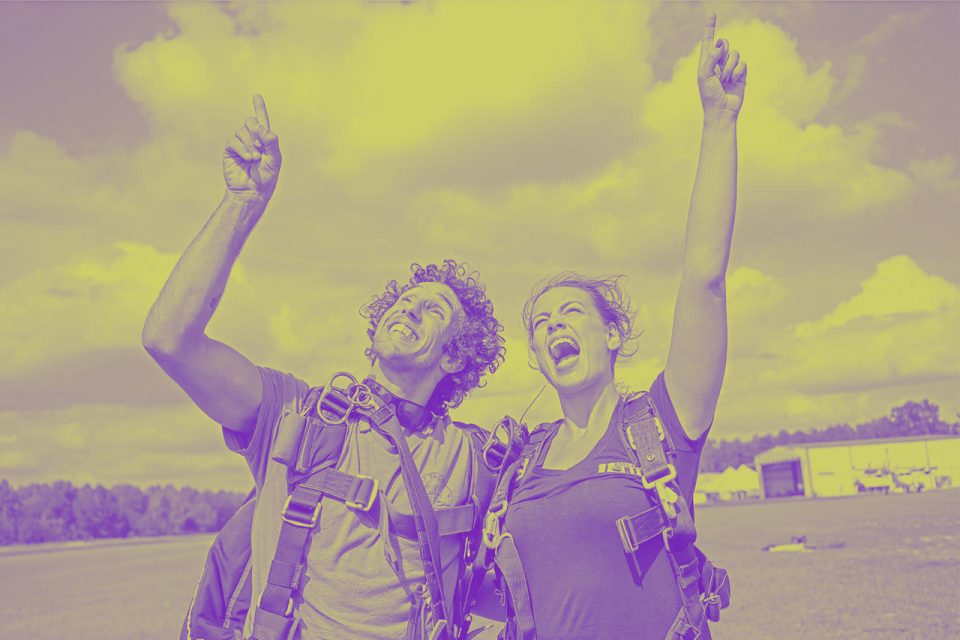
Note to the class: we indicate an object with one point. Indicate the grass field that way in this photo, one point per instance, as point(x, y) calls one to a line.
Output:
point(896, 577)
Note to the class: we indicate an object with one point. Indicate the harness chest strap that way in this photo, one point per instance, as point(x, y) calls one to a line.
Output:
point(273, 617)
point(299, 516)
point(670, 520)
point(303, 439)
point(495, 455)
point(450, 520)
point(501, 547)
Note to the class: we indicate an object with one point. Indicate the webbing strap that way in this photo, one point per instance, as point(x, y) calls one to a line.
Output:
point(273, 617)
point(500, 546)
point(520, 605)
point(493, 520)
point(640, 424)
point(640, 421)
point(691, 624)
point(270, 626)
point(646, 439)
point(300, 515)
point(424, 517)
point(641, 527)
point(450, 520)
point(355, 491)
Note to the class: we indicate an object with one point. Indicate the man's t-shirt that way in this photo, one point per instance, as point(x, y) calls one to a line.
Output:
point(350, 589)
point(582, 583)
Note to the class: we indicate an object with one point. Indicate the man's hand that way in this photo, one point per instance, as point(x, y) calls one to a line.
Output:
point(721, 75)
point(251, 159)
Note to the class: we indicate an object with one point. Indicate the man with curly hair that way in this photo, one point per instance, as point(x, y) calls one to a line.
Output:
point(432, 339)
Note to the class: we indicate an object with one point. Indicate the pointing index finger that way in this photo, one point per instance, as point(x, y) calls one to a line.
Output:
point(708, 29)
point(260, 109)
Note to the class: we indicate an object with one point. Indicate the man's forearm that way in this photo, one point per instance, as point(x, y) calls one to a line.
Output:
point(713, 204)
point(192, 292)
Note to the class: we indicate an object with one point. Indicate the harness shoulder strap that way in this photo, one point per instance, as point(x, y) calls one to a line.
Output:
point(701, 595)
point(494, 453)
point(499, 546)
point(309, 443)
point(425, 518)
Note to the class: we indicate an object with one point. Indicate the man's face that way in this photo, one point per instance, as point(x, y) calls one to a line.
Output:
point(413, 332)
point(571, 342)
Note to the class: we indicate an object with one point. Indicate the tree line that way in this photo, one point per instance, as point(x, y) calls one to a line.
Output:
point(60, 511)
point(908, 419)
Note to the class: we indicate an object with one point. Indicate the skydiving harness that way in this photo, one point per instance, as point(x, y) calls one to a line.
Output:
point(310, 443)
point(704, 588)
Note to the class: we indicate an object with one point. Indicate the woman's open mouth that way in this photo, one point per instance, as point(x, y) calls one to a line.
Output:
point(564, 351)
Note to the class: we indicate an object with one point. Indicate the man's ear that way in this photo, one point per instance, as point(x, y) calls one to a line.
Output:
point(450, 364)
point(614, 341)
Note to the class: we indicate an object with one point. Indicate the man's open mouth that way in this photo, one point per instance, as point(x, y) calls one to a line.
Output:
point(563, 350)
point(402, 331)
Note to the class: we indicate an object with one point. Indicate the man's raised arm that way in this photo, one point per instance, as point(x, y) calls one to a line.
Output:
point(698, 344)
point(221, 381)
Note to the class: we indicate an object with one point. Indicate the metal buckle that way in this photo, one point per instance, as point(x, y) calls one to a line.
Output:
point(666, 496)
point(298, 523)
point(495, 445)
point(666, 534)
point(360, 396)
point(492, 534)
point(330, 386)
point(671, 474)
point(523, 467)
point(286, 614)
point(625, 538)
point(368, 504)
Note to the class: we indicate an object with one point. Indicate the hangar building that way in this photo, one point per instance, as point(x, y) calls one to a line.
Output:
point(824, 469)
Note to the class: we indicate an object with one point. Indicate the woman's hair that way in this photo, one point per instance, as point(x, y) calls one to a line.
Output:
point(608, 297)
point(478, 343)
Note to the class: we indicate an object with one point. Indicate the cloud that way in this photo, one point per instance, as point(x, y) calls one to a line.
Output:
point(409, 91)
point(753, 290)
point(62, 323)
point(413, 132)
point(118, 375)
point(898, 286)
point(113, 444)
point(940, 173)
point(790, 163)
point(893, 341)
point(94, 302)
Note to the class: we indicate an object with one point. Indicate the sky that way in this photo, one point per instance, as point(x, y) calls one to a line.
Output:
point(522, 137)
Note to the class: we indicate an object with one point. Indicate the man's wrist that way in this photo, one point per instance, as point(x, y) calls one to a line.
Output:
point(244, 203)
point(719, 119)
point(242, 211)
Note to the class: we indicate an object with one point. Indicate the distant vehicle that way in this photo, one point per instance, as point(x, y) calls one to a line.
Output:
point(880, 483)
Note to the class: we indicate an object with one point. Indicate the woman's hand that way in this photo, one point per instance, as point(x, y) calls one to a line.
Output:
point(721, 75)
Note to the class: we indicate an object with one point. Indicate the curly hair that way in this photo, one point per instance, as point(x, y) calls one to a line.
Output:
point(608, 297)
point(478, 343)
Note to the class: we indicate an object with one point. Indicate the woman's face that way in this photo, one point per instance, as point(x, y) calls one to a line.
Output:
point(573, 345)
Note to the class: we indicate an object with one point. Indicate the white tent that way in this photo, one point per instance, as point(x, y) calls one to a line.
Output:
point(732, 484)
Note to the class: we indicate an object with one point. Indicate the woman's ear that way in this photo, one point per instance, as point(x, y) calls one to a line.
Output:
point(614, 341)
point(532, 360)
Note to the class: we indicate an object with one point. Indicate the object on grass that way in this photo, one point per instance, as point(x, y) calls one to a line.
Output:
point(799, 543)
